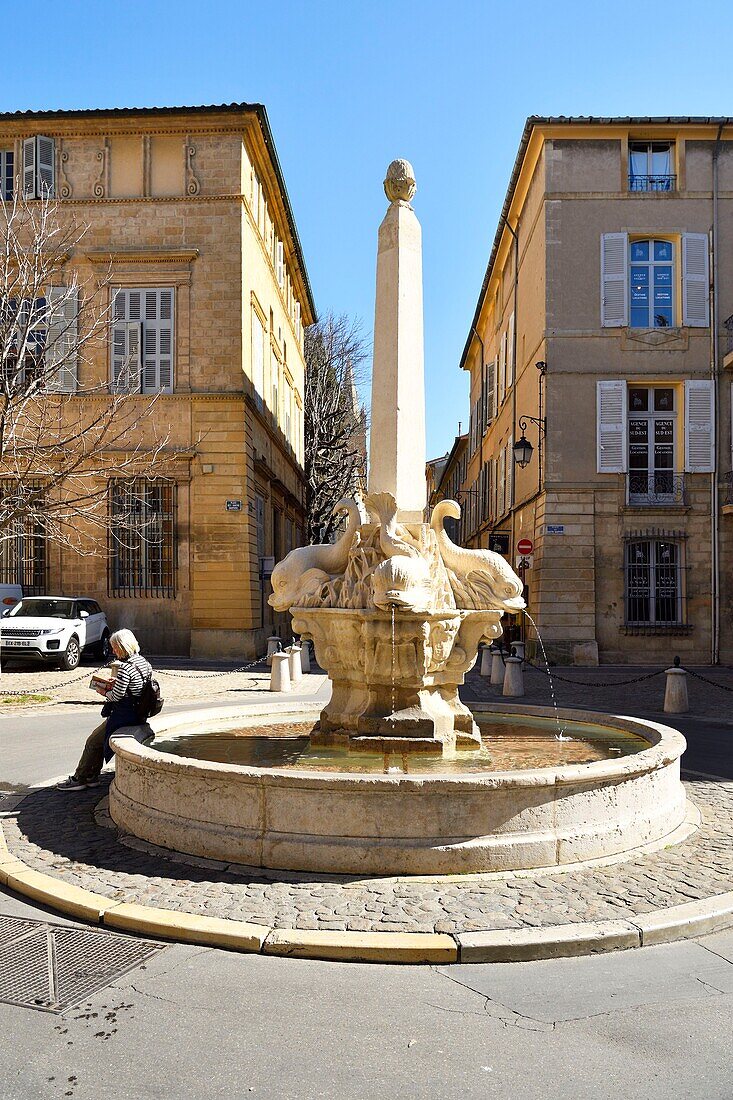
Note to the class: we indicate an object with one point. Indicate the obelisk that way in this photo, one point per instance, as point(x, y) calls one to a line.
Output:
point(397, 442)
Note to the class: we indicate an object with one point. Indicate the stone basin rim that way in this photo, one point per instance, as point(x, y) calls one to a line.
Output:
point(666, 745)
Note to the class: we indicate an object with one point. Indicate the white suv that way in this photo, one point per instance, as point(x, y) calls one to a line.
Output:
point(54, 629)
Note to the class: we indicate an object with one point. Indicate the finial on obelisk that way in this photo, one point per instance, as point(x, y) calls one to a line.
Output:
point(399, 183)
point(397, 446)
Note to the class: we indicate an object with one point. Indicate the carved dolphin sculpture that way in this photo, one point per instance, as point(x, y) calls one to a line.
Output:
point(403, 580)
point(331, 560)
point(480, 579)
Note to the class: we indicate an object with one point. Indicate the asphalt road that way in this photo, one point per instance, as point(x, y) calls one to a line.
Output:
point(199, 1023)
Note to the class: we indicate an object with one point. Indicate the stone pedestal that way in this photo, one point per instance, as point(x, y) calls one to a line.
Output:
point(497, 670)
point(675, 692)
point(280, 672)
point(305, 657)
point(513, 678)
point(487, 658)
point(273, 645)
point(407, 690)
point(294, 663)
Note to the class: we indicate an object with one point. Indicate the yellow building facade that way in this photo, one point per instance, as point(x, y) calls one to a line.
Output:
point(599, 337)
point(190, 229)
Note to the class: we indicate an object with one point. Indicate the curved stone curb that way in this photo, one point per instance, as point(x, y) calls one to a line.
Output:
point(515, 945)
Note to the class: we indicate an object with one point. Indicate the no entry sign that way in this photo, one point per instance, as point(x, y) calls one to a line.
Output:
point(524, 547)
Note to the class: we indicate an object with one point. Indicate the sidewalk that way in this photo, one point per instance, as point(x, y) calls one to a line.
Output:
point(579, 687)
point(182, 680)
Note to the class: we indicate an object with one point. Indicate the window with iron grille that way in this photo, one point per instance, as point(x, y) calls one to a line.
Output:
point(654, 595)
point(142, 551)
point(23, 546)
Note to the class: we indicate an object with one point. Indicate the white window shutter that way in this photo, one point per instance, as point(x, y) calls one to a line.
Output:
point(501, 383)
point(695, 280)
point(29, 168)
point(490, 391)
point(699, 426)
point(611, 427)
point(157, 350)
point(501, 495)
point(61, 351)
point(126, 343)
point(45, 167)
point(614, 280)
point(280, 263)
point(510, 353)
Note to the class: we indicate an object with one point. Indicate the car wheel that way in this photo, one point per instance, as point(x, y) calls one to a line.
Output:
point(72, 656)
point(103, 648)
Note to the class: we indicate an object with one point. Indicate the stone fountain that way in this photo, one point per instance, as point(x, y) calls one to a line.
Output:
point(395, 609)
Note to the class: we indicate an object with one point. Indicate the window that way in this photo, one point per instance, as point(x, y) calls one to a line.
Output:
point(142, 340)
point(23, 553)
point(652, 433)
point(39, 167)
point(142, 547)
point(275, 372)
point(258, 356)
point(638, 280)
point(260, 511)
point(288, 411)
point(7, 173)
point(651, 284)
point(653, 583)
point(255, 201)
point(650, 166)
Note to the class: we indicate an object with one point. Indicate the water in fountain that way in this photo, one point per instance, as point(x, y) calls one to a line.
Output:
point(560, 728)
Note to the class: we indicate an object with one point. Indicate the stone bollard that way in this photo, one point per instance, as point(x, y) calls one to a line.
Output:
point(518, 650)
point(497, 669)
point(513, 678)
point(273, 645)
point(487, 659)
point(280, 674)
point(675, 690)
point(305, 657)
point(296, 670)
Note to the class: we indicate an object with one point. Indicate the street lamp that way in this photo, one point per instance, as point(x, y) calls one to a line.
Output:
point(523, 449)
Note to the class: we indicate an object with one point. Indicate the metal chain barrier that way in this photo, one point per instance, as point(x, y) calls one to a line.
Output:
point(88, 673)
point(596, 683)
point(51, 687)
point(713, 683)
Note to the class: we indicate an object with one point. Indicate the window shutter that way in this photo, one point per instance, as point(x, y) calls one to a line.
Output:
point(699, 426)
point(490, 391)
point(501, 494)
point(280, 265)
point(510, 353)
point(29, 168)
point(614, 280)
point(126, 342)
point(61, 354)
point(258, 356)
point(45, 167)
point(508, 466)
point(157, 365)
point(611, 427)
point(502, 371)
point(695, 282)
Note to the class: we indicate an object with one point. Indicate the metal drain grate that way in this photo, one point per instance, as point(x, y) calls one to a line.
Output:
point(52, 967)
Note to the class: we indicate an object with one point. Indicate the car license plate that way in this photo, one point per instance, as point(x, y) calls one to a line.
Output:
point(16, 641)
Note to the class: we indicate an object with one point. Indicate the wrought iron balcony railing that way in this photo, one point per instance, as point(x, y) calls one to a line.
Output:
point(661, 487)
point(652, 183)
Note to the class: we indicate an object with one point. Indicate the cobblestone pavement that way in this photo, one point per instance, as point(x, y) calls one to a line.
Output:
point(62, 835)
point(578, 687)
point(181, 680)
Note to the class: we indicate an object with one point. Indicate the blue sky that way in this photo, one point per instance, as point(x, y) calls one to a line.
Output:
point(349, 86)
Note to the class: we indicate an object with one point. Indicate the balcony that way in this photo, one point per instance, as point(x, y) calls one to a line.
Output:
point(660, 489)
point(652, 183)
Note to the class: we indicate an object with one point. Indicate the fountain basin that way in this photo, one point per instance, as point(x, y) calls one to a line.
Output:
point(398, 824)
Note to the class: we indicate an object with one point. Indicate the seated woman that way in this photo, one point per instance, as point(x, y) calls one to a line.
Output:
point(120, 709)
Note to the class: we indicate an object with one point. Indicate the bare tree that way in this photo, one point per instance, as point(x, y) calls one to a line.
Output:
point(66, 429)
point(335, 420)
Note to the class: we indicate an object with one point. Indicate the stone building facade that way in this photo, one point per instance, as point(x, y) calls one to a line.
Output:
point(600, 338)
point(187, 213)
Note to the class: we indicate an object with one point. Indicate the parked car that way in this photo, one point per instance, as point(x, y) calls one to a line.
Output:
point(10, 595)
point(54, 629)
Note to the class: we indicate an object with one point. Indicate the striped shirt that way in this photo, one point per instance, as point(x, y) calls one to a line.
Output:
point(131, 676)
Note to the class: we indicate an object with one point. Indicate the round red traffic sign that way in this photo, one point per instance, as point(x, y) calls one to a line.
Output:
point(524, 547)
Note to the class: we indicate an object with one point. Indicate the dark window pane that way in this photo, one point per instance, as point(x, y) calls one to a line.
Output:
point(638, 401)
point(662, 250)
point(639, 251)
point(663, 399)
